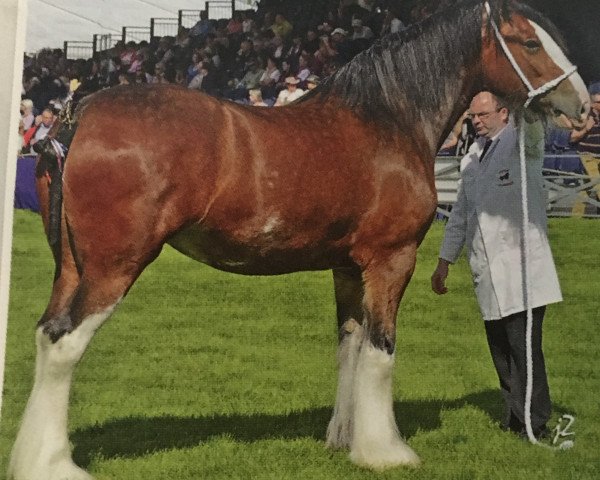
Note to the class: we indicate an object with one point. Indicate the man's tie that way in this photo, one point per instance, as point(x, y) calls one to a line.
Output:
point(486, 147)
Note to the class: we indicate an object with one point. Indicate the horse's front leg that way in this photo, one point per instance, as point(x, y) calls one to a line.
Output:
point(376, 442)
point(348, 298)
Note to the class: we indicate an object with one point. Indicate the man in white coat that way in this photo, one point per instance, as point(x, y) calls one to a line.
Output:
point(487, 219)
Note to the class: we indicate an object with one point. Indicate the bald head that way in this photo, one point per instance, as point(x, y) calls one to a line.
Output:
point(488, 113)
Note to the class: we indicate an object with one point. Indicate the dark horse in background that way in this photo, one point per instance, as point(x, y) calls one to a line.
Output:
point(341, 180)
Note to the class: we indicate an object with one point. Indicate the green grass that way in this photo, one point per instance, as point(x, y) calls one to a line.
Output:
point(201, 374)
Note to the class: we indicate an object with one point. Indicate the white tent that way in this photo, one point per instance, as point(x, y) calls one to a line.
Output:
point(51, 22)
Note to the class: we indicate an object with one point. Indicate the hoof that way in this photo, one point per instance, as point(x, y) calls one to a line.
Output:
point(63, 471)
point(70, 471)
point(383, 458)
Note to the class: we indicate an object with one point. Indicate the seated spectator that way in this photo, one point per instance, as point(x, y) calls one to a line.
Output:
point(256, 99)
point(391, 23)
point(238, 89)
point(270, 78)
point(325, 29)
point(203, 27)
point(361, 31)
point(206, 80)
point(27, 113)
point(33, 91)
point(293, 53)
point(312, 82)
point(90, 79)
point(285, 72)
point(124, 79)
point(311, 43)
point(243, 56)
point(212, 54)
point(303, 68)
point(160, 74)
point(282, 27)
point(192, 69)
point(182, 39)
point(291, 93)
point(247, 22)
point(341, 46)
point(140, 77)
point(235, 26)
point(277, 48)
point(128, 55)
point(136, 64)
point(324, 55)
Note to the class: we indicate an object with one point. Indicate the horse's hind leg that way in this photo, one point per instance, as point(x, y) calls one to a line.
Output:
point(348, 297)
point(42, 449)
point(376, 442)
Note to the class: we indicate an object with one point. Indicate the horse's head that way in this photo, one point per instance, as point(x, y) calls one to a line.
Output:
point(535, 48)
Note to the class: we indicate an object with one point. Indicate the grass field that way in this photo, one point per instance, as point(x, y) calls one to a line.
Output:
point(206, 375)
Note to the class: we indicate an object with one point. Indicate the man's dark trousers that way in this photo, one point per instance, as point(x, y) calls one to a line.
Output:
point(506, 339)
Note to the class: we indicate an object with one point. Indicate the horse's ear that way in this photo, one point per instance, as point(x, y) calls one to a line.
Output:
point(500, 9)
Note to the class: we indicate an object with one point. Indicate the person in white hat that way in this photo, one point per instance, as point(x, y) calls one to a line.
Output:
point(291, 92)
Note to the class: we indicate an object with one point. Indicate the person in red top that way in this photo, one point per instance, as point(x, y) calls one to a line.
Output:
point(43, 123)
point(235, 24)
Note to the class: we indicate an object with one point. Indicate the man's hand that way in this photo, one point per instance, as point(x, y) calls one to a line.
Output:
point(438, 279)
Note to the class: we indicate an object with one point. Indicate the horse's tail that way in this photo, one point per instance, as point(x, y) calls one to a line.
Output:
point(52, 154)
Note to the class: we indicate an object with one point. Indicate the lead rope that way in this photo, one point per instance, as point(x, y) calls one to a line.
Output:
point(560, 431)
point(565, 422)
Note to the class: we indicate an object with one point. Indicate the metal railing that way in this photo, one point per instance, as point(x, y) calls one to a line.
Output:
point(188, 18)
point(218, 9)
point(571, 182)
point(76, 49)
point(136, 34)
point(159, 27)
point(105, 41)
point(162, 27)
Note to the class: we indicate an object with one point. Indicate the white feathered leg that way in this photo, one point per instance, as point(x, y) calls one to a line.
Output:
point(339, 431)
point(376, 442)
point(42, 450)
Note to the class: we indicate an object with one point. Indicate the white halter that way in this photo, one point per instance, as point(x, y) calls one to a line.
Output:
point(560, 430)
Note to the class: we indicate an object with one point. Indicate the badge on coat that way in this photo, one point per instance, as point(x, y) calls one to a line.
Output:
point(504, 178)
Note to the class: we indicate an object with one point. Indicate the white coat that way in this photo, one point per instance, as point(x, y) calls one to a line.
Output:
point(487, 218)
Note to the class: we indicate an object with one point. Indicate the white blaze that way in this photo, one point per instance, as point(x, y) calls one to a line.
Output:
point(559, 57)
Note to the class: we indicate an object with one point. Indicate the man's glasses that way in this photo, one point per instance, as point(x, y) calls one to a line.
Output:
point(482, 115)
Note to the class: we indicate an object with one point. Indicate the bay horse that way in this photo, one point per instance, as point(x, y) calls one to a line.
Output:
point(342, 179)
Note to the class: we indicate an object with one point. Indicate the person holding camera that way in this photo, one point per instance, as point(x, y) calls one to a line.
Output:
point(43, 123)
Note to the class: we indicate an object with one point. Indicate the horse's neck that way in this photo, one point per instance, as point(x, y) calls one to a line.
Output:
point(439, 72)
point(455, 93)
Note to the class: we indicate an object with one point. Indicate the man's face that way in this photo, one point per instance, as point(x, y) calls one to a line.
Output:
point(488, 119)
point(47, 118)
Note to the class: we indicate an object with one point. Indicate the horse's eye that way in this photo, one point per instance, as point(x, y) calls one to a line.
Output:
point(532, 44)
